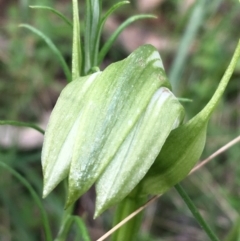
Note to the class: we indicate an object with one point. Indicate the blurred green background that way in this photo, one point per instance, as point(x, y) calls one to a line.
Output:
point(196, 40)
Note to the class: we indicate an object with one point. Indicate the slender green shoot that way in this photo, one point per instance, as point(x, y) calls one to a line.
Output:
point(93, 12)
point(195, 212)
point(53, 47)
point(103, 20)
point(81, 227)
point(66, 226)
point(209, 108)
point(59, 14)
point(22, 124)
point(76, 48)
point(46, 225)
point(106, 47)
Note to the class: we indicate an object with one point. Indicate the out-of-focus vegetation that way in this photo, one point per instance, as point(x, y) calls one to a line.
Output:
point(31, 79)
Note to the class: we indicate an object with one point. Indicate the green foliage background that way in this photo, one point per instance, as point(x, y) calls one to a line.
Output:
point(30, 82)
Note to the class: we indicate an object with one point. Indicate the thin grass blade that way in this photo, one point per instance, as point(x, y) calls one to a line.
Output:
point(37, 200)
point(76, 48)
point(23, 124)
point(53, 47)
point(103, 20)
point(59, 14)
point(212, 236)
point(82, 229)
point(93, 12)
point(106, 47)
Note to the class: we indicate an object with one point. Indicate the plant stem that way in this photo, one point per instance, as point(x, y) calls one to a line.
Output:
point(76, 47)
point(81, 228)
point(195, 212)
point(65, 225)
point(130, 230)
point(67, 222)
point(46, 226)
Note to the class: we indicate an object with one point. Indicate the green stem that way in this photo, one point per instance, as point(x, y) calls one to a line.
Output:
point(65, 225)
point(195, 212)
point(66, 221)
point(46, 225)
point(76, 47)
point(130, 204)
point(81, 227)
point(209, 108)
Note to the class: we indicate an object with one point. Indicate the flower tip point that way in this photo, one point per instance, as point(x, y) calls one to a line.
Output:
point(44, 194)
point(96, 214)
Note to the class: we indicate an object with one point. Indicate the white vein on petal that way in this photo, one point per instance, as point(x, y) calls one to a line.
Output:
point(57, 169)
point(62, 164)
point(105, 188)
point(158, 62)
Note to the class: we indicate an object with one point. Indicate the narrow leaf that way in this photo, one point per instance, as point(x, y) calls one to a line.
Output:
point(185, 144)
point(37, 200)
point(101, 25)
point(212, 236)
point(76, 49)
point(53, 47)
point(23, 124)
point(106, 47)
point(93, 12)
point(82, 229)
point(59, 14)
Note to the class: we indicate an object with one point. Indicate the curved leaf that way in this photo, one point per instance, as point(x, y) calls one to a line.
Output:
point(20, 178)
point(23, 124)
point(53, 47)
point(68, 22)
point(101, 25)
point(114, 36)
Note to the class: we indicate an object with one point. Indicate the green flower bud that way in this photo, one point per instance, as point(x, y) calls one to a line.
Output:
point(109, 127)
